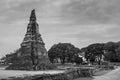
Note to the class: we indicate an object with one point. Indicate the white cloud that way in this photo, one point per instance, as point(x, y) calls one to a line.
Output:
point(79, 22)
point(13, 3)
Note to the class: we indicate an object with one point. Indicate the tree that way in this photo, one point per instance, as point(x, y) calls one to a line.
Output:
point(110, 51)
point(62, 51)
point(78, 59)
point(72, 54)
point(118, 54)
point(94, 52)
point(52, 53)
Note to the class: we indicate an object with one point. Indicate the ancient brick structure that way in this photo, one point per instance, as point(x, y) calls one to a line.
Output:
point(33, 38)
point(32, 49)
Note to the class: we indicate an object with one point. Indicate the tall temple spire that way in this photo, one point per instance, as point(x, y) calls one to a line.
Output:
point(32, 49)
point(33, 16)
point(33, 35)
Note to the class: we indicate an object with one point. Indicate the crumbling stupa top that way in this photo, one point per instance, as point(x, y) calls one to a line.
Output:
point(33, 15)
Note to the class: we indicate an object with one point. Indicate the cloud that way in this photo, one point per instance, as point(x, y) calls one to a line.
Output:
point(86, 34)
point(94, 11)
point(16, 3)
point(80, 22)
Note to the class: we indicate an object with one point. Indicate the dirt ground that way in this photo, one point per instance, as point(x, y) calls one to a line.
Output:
point(10, 73)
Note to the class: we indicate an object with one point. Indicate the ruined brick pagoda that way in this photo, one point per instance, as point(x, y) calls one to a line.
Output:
point(33, 37)
point(32, 50)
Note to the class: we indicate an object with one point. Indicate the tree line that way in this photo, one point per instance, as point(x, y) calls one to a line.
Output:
point(97, 52)
point(68, 53)
point(64, 52)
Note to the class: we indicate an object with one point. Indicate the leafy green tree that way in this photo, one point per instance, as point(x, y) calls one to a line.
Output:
point(110, 51)
point(94, 52)
point(118, 54)
point(52, 53)
point(78, 59)
point(72, 54)
point(62, 51)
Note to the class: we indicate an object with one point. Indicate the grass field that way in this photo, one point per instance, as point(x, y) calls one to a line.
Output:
point(100, 73)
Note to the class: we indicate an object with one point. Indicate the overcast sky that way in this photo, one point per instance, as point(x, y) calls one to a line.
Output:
point(80, 22)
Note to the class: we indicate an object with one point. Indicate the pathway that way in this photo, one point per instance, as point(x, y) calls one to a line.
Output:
point(113, 75)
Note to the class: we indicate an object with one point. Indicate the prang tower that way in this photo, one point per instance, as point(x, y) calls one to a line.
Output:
point(32, 51)
point(32, 39)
